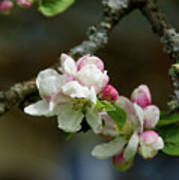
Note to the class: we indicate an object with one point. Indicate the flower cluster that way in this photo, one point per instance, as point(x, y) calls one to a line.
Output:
point(136, 135)
point(82, 93)
point(72, 95)
point(7, 5)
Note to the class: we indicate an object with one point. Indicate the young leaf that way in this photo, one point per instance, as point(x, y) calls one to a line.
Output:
point(53, 7)
point(170, 134)
point(119, 116)
point(168, 119)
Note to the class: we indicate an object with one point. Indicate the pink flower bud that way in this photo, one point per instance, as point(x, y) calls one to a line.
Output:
point(109, 93)
point(141, 95)
point(151, 116)
point(120, 163)
point(24, 3)
point(87, 59)
point(6, 6)
point(150, 143)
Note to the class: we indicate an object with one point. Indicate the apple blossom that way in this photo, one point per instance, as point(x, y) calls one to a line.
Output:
point(150, 142)
point(109, 93)
point(142, 96)
point(87, 74)
point(131, 129)
point(58, 99)
point(131, 137)
point(71, 95)
point(6, 6)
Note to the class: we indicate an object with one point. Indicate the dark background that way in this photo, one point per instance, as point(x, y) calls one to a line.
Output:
point(33, 148)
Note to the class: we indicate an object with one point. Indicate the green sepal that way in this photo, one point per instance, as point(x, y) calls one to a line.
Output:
point(105, 106)
point(68, 136)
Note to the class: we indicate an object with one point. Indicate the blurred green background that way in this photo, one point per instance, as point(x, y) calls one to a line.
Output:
point(33, 148)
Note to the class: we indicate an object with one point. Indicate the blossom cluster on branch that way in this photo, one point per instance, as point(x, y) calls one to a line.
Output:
point(82, 93)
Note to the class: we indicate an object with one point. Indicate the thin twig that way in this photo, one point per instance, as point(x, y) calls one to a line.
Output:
point(169, 39)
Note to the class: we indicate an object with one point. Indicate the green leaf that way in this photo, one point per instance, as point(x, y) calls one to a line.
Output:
point(170, 134)
point(105, 106)
point(119, 116)
point(53, 7)
point(168, 119)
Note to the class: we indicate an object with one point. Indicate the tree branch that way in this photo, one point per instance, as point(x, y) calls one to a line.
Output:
point(113, 12)
point(169, 39)
point(97, 35)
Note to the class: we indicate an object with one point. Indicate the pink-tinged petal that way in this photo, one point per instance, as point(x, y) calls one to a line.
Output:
point(109, 93)
point(49, 83)
point(142, 96)
point(68, 65)
point(24, 3)
point(120, 162)
point(128, 107)
point(6, 6)
point(87, 59)
point(150, 143)
point(149, 136)
point(91, 76)
point(69, 77)
point(151, 116)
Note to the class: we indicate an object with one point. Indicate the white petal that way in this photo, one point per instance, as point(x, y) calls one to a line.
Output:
point(68, 64)
point(49, 82)
point(38, 109)
point(57, 100)
point(93, 119)
point(91, 76)
point(132, 146)
point(147, 151)
point(140, 115)
point(69, 120)
point(76, 90)
point(92, 95)
point(159, 144)
point(110, 149)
